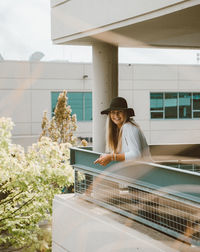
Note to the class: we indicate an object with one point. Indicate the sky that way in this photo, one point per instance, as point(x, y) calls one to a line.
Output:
point(25, 28)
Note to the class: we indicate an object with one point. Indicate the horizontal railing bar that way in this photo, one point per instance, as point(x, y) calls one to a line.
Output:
point(169, 168)
point(78, 151)
point(85, 150)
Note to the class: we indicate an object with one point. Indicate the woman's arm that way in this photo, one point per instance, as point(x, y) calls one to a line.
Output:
point(105, 159)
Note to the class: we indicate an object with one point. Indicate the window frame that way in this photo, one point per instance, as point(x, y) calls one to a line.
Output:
point(178, 104)
point(157, 110)
point(194, 110)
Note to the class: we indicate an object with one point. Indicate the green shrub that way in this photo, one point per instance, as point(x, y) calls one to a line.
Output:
point(28, 183)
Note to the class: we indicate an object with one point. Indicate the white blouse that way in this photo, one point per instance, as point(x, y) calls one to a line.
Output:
point(134, 143)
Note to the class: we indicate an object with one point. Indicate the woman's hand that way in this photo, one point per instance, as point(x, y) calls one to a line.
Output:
point(104, 159)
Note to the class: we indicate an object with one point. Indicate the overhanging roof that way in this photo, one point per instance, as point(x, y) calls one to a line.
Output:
point(180, 28)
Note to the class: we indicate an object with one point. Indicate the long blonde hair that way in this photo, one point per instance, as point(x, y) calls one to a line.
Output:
point(114, 134)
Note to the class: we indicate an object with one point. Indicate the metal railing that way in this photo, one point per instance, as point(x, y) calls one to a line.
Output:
point(167, 199)
point(164, 212)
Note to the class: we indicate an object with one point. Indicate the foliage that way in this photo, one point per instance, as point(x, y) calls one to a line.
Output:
point(62, 126)
point(28, 182)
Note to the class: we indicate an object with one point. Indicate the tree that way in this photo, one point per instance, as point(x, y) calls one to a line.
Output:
point(28, 183)
point(62, 126)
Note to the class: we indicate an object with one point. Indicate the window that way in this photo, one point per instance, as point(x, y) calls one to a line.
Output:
point(171, 105)
point(185, 105)
point(80, 102)
point(196, 105)
point(156, 105)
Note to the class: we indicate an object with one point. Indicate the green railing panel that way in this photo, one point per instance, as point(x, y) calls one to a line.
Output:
point(185, 184)
point(84, 156)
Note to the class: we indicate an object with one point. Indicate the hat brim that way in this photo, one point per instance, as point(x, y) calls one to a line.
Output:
point(130, 111)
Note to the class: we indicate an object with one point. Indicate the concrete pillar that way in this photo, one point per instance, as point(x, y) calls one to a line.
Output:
point(105, 87)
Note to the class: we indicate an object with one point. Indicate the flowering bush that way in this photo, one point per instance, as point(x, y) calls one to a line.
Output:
point(28, 182)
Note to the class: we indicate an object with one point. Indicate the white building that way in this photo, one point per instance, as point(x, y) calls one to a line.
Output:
point(132, 23)
point(166, 98)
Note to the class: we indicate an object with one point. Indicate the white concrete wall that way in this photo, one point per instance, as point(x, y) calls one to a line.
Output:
point(25, 92)
point(136, 83)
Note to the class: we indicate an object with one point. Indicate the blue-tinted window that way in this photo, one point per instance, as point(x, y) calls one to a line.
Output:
point(157, 101)
point(156, 104)
point(75, 100)
point(196, 105)
point(88, 106)
point(170, 105)
point(173, 105)
point(196, 101)
point(185, 105)
point(54, 98)
point(80, 102)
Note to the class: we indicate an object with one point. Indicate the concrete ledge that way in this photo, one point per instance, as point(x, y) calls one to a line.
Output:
point(80, 226)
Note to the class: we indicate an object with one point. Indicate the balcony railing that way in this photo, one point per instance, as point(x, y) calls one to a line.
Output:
point(163, 197)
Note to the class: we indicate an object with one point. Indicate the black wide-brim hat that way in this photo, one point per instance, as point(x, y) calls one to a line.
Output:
point(119, 103)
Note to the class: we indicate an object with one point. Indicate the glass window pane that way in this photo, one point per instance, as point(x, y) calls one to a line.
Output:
point(75, 100)
point(187, 167)
point(157, 115)
point(197, 168)
point(170, 105)
point(196, 101)
point(185, 105)
point(196, 114)
point(88, 106)
point(156, 101)
point(54, 99)
point(174, 165)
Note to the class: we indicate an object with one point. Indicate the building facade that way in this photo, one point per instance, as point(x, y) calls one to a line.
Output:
point(166, 98)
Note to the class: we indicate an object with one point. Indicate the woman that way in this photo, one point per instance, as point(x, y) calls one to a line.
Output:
point(125, 140)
